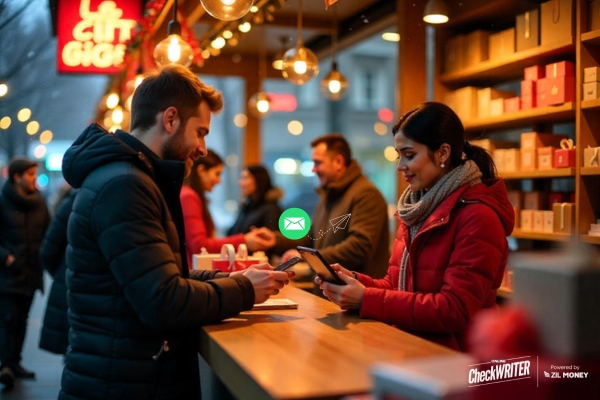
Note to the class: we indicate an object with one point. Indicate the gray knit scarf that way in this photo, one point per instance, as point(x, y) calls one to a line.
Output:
point(415, 207)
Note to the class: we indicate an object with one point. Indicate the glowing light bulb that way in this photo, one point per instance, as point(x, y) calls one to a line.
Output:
point(262, 106)
point(227, 2)
point(174, 51)
point(117, 115)
point(227, 10)
point(112, 100)
point(138, 80)
point(300, 67)
point(335, 86)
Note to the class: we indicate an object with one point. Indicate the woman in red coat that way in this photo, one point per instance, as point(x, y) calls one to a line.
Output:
point(450, 250)
point(199, 225)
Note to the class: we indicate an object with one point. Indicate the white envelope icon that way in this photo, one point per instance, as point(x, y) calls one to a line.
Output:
point(294, 223)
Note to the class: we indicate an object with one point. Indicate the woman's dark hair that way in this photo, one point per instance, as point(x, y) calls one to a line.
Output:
point(434, 124)
point(262, 179)
point(211, 160)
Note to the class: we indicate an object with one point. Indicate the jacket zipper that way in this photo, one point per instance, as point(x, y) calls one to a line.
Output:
point(163, 348)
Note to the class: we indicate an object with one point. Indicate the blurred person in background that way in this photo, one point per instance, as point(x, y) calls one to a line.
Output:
point(55, 329)
point(24, 218)
point(260, 207)
point(199, 225)
point(450, 251)
point(363, 245)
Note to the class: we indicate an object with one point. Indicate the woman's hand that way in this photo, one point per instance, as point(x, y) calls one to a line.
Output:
point(348, 296)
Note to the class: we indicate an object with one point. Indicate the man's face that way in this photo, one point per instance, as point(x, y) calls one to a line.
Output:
point(327, 165)
point(26, 180)
point(188, 142)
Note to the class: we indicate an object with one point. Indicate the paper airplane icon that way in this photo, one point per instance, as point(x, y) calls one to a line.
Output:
point(340, 222)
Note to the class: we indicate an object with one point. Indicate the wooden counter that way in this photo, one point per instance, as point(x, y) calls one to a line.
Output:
point(316, 351)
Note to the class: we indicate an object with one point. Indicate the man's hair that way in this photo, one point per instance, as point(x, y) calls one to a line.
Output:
point(176, 86)
point(336, 144)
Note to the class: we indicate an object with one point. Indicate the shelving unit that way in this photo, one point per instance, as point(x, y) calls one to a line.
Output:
point(546, 236)
point(540, 174)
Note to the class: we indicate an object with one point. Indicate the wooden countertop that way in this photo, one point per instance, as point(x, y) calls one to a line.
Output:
point(316, 351)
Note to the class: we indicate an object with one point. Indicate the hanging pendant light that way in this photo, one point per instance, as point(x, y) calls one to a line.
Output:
point(259, 105)
point(173, 49)
point(278, 59)
point(227, 10)
point(300, 64)
point(436, 12)
point(335, 85)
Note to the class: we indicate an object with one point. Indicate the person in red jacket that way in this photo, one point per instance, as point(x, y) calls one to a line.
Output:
point(450, 250)
point(199, 225)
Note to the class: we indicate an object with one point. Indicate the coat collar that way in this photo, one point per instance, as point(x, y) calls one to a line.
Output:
point(339, 187)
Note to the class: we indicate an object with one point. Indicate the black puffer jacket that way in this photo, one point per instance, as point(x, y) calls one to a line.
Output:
point(134, 315)
point(55, 331)
point(23, 221)
point(261, 212)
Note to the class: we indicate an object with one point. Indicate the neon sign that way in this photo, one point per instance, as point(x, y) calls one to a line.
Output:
point(92, 34)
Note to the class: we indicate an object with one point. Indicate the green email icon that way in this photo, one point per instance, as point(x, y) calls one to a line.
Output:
point(294, 223)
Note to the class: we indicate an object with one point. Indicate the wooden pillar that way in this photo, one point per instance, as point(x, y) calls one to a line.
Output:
point(251, 146)
point(411, 88)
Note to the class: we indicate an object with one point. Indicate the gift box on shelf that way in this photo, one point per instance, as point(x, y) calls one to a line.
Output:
point(559, 90)
point(512, 104)
point(496, 107)
point(533, 73)
point(498, 156)
point(528, 30)
point(528, 102)
point(517, 211)
point(528, 88)
point(515, 197)
point(502, 44)
point(559, 69)
point(540, 93)
point(533, 140)
point(486, 96)
point(565, 156)
point(465, 102)
point(548, 221)
point(534, 200)
point(545, 157)
point(538, 221)
point(556, 21)
point(453, 54)
point(475, 48)
point(512, 160)
point(591, 157)
point(591, 90)
point(594, 229)
point(591, 74)
point(527, 220)
point(558, 197)
point(594, 14)
point(564, 217)
point(528, 159)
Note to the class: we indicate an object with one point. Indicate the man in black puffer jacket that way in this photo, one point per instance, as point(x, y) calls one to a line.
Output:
point(24, 218)
point(134, 308)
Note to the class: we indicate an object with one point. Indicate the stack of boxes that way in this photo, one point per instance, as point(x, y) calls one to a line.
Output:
point(595, 229)
point(537, 150)
point(591, 83)
point(546, 213)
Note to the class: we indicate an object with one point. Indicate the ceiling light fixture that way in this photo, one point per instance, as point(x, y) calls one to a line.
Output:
point(278, 59)
point(173, 49)
point(227, 10)
point(335, 85)
point(300, 64)
point(390, 36)
point(259, 105)
point(436, 12)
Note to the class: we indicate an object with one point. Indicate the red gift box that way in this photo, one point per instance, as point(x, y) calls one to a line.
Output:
point(528, 102)
point(559, 69)
point(565, 156)
point(528, 88)
point(559, 90)
point(557, 197)
point(512, 104)
point(237, 265)
point(534, 73)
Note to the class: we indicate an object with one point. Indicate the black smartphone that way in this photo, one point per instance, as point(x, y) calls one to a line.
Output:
point(319, 265)
point(289, 263)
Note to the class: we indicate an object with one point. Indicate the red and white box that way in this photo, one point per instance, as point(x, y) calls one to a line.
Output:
point(533, 140)
point(540, 93)
point(561, 68)
point(565, 156)
point(534, 73)
point(559, 90)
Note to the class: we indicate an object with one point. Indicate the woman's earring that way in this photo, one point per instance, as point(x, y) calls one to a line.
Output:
point(442, 165)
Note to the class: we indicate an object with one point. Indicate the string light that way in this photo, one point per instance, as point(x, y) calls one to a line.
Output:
point(173, 49)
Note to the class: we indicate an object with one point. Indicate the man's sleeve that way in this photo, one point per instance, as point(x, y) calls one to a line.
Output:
point(127, 222)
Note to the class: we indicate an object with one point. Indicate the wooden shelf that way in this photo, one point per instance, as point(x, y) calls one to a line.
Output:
point(559, 113)
point(590, 239)
point(592, 37)
point(540, 174)
point(590, 104)
point(590, 171)
point(551, 237)
point(504, 292)
point(509, 67)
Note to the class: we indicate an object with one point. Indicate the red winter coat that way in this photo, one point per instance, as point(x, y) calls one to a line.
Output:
point(456, 264)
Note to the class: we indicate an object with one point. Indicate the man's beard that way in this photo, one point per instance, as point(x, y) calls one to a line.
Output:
point(174, 149)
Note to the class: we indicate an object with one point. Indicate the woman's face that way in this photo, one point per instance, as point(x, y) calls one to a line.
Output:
point(210, 177)
point(247, 183)
point(416, 164)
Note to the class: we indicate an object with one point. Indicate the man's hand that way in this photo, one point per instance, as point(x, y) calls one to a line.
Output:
point(9, 260)
point(266, 283)
point(349, 296)
point(259, 239)
point(290, 254)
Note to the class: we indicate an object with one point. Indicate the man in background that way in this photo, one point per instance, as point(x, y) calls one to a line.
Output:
point(24, 218)
point(363, 245)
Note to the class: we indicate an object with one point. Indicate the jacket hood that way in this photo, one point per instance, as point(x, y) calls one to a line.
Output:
point(93, 148)
point(492, 193)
